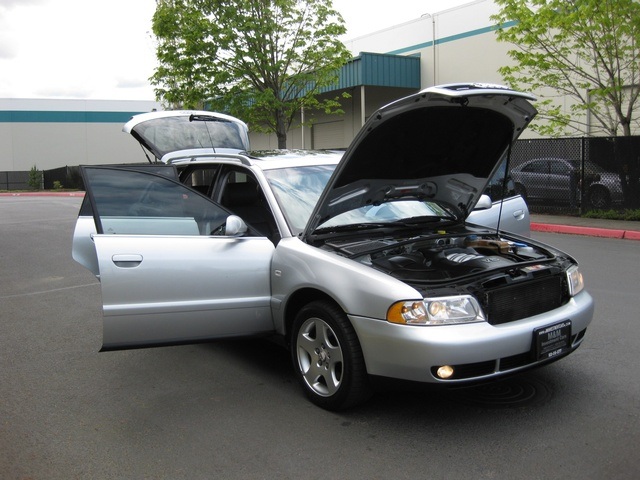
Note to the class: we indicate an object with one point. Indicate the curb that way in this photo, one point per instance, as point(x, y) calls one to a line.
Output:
point(42, 194)
point(587, 231)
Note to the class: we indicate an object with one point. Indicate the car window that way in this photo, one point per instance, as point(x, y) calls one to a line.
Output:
point(200, 178)
point(559, 168)
point(169, 134)
point(500, 187)
point(241, 194)
point(168, 171)
point(133, 202)
point(539, 166)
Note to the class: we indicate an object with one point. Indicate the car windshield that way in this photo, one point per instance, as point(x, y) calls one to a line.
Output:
point(298, 189)
point(404, 211)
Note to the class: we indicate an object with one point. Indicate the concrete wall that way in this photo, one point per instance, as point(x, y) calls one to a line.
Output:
point(465, 50)
point(55, 133)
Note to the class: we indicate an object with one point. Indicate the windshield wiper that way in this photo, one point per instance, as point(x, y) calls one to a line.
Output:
point(352, 226)
point(424, 219)
point(409, 222)
point(206, 118)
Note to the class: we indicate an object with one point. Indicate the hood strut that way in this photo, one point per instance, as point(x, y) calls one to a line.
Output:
point(146, 154)
point(504, 184)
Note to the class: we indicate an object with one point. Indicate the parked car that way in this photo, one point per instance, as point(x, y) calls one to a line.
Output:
point(560, 180)
point(362, 263)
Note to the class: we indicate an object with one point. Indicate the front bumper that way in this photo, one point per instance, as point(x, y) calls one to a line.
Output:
point(480, 351)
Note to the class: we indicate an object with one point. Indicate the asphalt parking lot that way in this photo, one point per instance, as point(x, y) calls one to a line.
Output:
point(233, 410)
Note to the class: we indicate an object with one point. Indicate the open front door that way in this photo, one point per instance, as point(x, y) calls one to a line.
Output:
point(169, 275)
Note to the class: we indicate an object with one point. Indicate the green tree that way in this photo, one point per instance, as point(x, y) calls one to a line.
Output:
point(585, 50)
point(35, 178)
point(260, 60)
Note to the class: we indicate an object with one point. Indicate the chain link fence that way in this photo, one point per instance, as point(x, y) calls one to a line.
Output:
point(57, 178)
point(14, 180)
point(66, 177)
point(575, 175)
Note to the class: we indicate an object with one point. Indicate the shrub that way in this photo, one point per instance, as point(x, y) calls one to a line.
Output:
point(35, 178)
point(628, 214)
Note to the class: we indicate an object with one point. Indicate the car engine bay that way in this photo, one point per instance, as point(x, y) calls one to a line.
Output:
point(439, 257)
point(511, 278)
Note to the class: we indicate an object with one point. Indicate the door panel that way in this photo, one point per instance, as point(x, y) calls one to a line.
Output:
point(513, 214)
point(165, 279)
point(536, 179)
point(83, 250)
point(168, 290)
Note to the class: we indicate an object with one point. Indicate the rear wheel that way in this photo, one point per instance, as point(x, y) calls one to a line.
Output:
point(598, 197)
point(327, 357)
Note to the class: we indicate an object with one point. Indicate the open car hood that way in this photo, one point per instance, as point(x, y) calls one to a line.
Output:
point(441, 144)
point(167, 132)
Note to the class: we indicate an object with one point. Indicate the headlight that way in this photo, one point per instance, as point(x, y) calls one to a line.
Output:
point(437, 311)
point(575, 281)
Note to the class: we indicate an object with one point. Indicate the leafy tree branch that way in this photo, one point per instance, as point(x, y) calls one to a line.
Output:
point(585, 50)
point(260, 60)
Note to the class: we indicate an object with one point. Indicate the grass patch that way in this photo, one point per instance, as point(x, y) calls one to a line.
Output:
point(628, 214)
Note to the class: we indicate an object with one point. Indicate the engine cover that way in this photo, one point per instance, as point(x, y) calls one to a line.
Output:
point(428, 264)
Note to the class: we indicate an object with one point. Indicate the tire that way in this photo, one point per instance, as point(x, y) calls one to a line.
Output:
point(598, 197)
point(327, 357)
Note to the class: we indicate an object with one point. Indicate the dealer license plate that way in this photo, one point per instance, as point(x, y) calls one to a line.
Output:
point(553, 340)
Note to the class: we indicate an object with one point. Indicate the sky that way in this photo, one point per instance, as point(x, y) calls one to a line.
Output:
point(92, 49)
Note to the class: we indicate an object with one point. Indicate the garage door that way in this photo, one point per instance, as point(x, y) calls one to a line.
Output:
point(328, 135)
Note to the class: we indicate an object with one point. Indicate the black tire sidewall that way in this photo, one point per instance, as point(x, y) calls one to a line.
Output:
point(599, 191)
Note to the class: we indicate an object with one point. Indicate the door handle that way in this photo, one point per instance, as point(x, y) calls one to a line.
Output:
point(518, 214)
point(127, 260)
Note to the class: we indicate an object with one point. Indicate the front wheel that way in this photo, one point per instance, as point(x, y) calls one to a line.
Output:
point(327, 357)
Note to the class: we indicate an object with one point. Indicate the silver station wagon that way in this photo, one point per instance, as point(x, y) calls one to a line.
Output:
point(364, 262)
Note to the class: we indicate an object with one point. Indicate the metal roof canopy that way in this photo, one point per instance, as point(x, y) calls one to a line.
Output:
point(379, 70)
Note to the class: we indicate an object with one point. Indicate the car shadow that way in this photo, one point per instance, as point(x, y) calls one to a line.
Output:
point(272, 364)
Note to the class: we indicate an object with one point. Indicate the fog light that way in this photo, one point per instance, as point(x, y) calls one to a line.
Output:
point(445, 371)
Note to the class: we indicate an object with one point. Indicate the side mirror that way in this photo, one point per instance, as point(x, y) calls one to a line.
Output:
point(484, 203)
point(234, 226)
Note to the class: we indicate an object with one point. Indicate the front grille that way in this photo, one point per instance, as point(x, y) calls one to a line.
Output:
point(515, 302)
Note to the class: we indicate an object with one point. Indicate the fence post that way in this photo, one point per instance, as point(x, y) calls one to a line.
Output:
point(583, 154)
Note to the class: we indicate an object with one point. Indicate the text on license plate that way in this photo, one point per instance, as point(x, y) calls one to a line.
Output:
point(553, 340)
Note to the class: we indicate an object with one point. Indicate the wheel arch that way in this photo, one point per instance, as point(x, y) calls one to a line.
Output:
point(297, 301)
